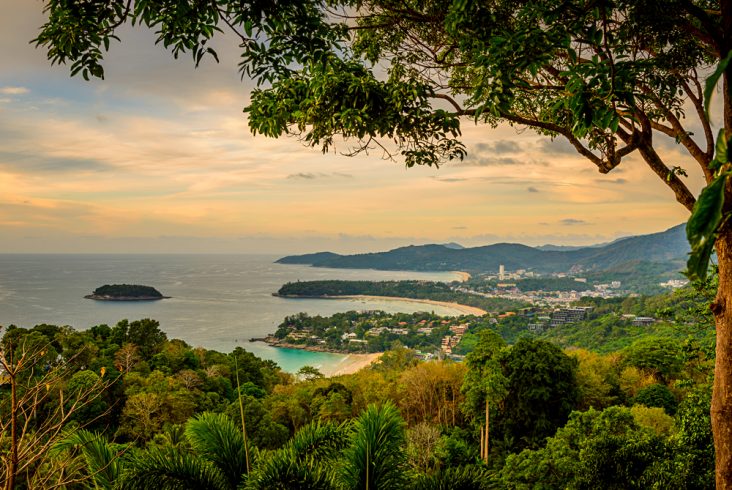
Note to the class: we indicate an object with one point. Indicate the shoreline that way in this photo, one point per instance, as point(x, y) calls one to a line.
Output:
point(352, 363)
point(464, 276)
point(463, 309)
point(97, 297)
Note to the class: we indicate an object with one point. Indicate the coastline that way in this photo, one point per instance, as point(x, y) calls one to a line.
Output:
point(464, 309)
point(353, 363)
point(97, 297)
point(464, 276)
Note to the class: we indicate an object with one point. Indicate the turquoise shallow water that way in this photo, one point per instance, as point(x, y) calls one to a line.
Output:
point(218, 301)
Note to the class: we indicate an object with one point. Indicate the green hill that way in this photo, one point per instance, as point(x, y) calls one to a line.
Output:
point(667, 248)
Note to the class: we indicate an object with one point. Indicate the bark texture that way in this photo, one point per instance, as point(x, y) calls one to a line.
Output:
point(722, 396)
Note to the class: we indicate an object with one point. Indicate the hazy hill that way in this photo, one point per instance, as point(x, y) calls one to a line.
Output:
point(668, 247)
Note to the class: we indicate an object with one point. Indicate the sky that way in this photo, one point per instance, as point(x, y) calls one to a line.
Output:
point(158, 158)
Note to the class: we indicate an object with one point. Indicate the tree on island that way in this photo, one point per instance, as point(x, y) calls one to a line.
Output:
point(127, 291)
point(611, 78)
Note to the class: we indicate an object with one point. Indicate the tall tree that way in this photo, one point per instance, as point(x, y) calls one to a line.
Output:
point(375, 459)
point(613, 78)
point(541, 392)
point(484, 382)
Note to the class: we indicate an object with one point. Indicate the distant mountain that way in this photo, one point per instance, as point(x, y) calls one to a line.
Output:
point(669, 247)
point(566, 248)
point(560, 248)
point(453, 245)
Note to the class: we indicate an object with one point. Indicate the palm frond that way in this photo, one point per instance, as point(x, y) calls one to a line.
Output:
point(320, 440)
point(101, 462)
point(469, 477)
point(304, 463)
point(375, 458)
point(217, 439)
point(285, 469)
point(171, 469)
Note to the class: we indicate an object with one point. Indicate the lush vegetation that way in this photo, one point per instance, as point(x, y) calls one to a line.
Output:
point(436, 291)
point(120, 406)
point(127, 291)
point(371, 331)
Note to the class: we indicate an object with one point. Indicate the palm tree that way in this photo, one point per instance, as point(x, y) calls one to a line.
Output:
point(306, 462)
point(102, 464)
point(375, 459)
point(216, 461)
point(470, 477)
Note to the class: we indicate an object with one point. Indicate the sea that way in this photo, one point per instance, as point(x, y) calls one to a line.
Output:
point(217, 301)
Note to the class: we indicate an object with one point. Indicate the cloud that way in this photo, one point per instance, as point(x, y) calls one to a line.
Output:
point(493, 154)
point(318, 175)
point(490, 162)
point(557, 146)
point(27, 163)
point(450, 179)
point(500, 147)
point(618, 181)
point(13, 90)
point(302, 175)
point(532, 189)
point(572, 222)
point(459, 227)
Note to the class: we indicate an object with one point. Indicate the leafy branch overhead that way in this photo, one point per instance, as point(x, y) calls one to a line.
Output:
point(398, 77)
point(709, 213)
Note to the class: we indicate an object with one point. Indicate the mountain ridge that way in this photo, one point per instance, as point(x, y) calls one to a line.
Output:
point(665, 247)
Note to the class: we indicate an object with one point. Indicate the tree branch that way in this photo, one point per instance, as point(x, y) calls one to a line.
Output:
point(683, 195)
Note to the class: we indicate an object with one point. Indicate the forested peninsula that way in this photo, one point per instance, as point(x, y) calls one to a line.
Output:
point(125, 292)
point(422, 290)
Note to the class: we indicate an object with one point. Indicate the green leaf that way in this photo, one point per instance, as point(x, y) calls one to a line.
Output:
point(722, 148)
point(712, 81)
point(703, 225)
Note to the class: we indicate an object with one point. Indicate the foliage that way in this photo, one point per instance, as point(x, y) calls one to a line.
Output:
point(657, 395)
point(541, 392)
point(430, 392)
point(375, 459)
point(217, 439)
point(659, 356)
point(102, 464)
point(464, 477)
point(171, 469)
point(305, 462)
point(320, 433)
point(485, 379)
point(127, 291)
point(594, 450)
point(436, 291)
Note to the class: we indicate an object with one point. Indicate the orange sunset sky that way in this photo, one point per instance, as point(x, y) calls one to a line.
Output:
point(158, 158)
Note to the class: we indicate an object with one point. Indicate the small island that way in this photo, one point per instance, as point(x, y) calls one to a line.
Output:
point(125, 292)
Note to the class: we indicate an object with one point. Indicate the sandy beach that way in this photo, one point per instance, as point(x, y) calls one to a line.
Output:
point(465, 309)
point(352, 363)
point(464, 276)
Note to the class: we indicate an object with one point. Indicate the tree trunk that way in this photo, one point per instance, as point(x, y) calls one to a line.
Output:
point(13, 466)
point(722, 395)
point(482, 438)
point(485, 453)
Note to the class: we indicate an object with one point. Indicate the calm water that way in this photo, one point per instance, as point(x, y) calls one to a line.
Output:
point(218, 301)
